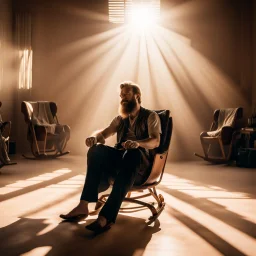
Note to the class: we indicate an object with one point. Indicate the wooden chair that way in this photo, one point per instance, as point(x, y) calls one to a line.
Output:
point(43, 143)
point(225, 136)
point(155, 177)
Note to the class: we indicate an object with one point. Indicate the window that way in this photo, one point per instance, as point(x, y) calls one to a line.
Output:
point(25, 72)
point(24, 39)
point(121, 11)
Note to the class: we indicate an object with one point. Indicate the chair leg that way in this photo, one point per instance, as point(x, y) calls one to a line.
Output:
point(208, 150)
point(203, 146)
point(34, 140)
point(64, 144)
point(229, 151)
point(150, 206)
point(152, 192)
point(44, 144)
point(8, 144)
point(40, 153)
point(231, 144)
point(159, 199)
point(203, 157)
point(34, 148)
point(222, 149)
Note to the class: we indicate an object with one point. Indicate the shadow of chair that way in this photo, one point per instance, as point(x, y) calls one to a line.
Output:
point(156, 174)
point(5, 129)
point(223, 131)
point(47, 137)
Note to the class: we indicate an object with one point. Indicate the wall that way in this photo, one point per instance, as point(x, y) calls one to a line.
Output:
point(7, 70)
point(198, 61)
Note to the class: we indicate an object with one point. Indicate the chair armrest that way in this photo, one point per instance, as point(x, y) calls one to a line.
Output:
point(6, 128)
point(40, 132)
point(157, 169)
point(226, 134)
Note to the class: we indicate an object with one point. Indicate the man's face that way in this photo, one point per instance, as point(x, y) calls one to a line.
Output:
point(128, 101)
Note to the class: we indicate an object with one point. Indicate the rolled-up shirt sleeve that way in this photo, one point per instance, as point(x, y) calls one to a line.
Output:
point(114, 124)
point(154, 125)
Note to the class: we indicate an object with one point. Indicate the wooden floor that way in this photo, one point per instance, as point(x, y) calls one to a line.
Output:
point(210, 210)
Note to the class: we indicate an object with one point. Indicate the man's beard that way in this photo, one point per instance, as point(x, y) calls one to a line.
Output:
point(127, 108)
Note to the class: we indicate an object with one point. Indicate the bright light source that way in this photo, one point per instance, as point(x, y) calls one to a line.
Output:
point(140, 13)
point(143, 16)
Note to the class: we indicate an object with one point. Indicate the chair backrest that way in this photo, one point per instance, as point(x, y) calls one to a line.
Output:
point(27, 109)
point(166, 126)
point(161, 153)
point(238, 116)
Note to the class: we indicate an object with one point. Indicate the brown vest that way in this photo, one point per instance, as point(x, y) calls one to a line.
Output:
point(141, 132)
point(141, 126)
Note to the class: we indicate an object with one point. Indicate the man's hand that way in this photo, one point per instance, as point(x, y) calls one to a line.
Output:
point(90, 141)
point(130, 144)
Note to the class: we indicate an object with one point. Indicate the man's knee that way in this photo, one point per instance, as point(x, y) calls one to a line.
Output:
point(96, 150)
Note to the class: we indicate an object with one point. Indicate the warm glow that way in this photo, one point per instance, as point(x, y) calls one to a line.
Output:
point(239, 240)
point(171, 72)
point(143, 16)
point(139, 13)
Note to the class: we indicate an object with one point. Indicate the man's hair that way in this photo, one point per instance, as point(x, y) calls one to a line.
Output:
point(135, 88)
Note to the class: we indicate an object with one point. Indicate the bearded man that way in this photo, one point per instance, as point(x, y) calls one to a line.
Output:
point(129, 162)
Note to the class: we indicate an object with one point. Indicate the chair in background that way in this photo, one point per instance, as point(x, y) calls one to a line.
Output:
point(5, 127)
point(5, 132)
point(47, 137)
point(156, 174)
point(222, 133)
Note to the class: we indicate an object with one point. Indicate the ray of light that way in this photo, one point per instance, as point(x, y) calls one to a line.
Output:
point(228, 233)
point(18, 185)
point(234, 237)
point(40, 251)
point(171, 73)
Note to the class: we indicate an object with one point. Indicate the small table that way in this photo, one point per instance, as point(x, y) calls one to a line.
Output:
point(248, 137)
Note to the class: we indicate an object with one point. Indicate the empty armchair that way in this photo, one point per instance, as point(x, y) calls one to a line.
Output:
point(222, 134)
point(47, 137)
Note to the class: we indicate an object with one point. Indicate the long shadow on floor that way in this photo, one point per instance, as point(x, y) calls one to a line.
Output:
point(217, 242)
point(127, 236)
point(233, 219)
